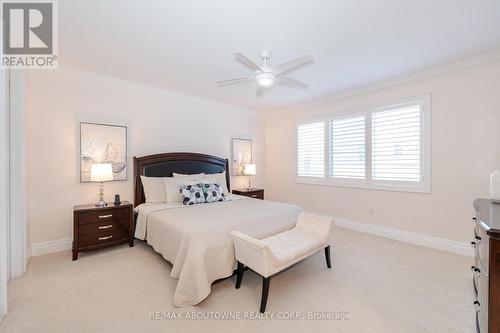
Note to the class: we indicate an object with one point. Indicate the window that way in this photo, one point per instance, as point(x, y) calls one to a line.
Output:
point(384, 147)
point(311, 149)
point(396, 144)
point(347, 147)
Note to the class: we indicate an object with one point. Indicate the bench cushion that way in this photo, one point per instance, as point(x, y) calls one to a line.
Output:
point(272, 254)
point(288, 246)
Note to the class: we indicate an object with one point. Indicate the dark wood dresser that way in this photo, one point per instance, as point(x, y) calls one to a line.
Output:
point(95, 228)
point(256, 193)
point(486, 270)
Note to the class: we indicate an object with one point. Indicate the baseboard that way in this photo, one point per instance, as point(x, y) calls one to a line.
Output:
point(58, 245)
point(407, 237)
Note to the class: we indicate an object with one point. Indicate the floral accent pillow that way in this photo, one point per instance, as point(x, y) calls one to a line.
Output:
point(213, 192)
point(192, 193)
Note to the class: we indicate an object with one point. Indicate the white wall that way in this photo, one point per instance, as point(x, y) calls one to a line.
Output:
point(158, 121)
point(465, 145)
point(465, 124)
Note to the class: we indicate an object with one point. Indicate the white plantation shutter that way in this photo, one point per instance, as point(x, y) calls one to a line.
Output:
point(311, 149)
point(396, 144)
point(347, 147)
point(385, 147)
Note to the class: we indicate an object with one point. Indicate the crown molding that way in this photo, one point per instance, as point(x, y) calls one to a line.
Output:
point(434, 73)
point(70, 69)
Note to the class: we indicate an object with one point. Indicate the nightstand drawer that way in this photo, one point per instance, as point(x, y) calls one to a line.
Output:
point(109, 225)
point(256, 195)
point(103, 216)
point(102, 238)
point(482, 243)
point(95, 227)
point(252, 193)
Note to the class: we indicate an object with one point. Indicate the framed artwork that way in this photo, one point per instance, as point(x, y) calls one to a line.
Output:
point(101, 143)
point(242, 154)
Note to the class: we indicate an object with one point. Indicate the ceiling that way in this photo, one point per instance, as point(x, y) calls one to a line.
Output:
point(188, 45)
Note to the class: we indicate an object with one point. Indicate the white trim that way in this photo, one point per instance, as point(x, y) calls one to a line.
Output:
point(58, 245)
point(4, 190)
point(70, 70)
point(3, 308)
point(433, 73)
point(17, 175)
point(357, 183)
point(65, 244)
point(407, 237)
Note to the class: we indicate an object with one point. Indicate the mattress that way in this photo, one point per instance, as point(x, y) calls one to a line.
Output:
point(196, 239)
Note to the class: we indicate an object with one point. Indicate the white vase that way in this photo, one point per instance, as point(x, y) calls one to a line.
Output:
point(495, 185)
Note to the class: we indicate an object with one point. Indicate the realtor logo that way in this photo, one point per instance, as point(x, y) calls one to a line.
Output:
point(28, 35)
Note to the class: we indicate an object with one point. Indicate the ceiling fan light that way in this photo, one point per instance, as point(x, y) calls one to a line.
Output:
point(266, 75)
point(265, 79)
point(265, 82)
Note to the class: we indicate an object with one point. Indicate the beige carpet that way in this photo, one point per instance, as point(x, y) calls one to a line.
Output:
point(383, 285)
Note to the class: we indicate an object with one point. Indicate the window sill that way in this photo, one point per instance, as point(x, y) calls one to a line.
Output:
point(363, 185)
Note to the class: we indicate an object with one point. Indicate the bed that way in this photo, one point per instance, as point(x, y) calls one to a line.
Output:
point(196, 239)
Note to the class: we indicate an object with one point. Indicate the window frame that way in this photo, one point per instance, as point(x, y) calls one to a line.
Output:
point(423, 186)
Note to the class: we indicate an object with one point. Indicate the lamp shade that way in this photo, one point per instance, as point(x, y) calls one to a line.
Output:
point(101, 172)
point(250, 169)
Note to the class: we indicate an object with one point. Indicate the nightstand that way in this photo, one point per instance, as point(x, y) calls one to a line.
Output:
point(95, 227)
point(256, 193)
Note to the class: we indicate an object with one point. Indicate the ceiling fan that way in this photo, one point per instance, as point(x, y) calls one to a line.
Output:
point(267, 76)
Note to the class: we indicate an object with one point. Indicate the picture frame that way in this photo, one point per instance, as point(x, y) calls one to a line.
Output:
point(241, 155)
point(103, 143)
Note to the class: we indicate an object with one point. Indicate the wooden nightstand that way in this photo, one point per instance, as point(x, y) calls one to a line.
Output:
point(95, 228)
point(256, 193)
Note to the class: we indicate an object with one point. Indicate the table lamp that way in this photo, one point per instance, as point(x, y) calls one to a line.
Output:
point(249, 170)
point(101, 173)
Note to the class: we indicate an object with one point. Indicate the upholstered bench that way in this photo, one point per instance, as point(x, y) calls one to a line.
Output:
point(273, 254)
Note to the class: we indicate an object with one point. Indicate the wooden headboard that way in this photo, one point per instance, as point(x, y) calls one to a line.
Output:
point(163, 165)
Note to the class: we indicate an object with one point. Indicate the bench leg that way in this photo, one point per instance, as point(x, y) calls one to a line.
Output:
point(239, 274)
point(327, 256)
point(265, 292)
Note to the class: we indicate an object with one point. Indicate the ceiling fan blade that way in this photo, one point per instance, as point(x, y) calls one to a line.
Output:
point(247, 62)
point(234, 81)
point(294, 64)
point(291, 82)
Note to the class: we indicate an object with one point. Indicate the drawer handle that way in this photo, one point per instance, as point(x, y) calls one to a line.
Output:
point(106, 226)
point(104, 238)
point(477, 306)
point(473, 219)
point(105, 216)
point(476, 271)
point(473, 244)
point(477, 238)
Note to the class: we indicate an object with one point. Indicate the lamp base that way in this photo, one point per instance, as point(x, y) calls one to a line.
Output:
point(101, 202)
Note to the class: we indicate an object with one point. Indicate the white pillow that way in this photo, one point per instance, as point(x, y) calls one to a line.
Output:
point(194, 177)
point(172, 186)
point(154, 189)
point(219, 178)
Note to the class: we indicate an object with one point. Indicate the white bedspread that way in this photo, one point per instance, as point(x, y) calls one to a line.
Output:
point(196, 239)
